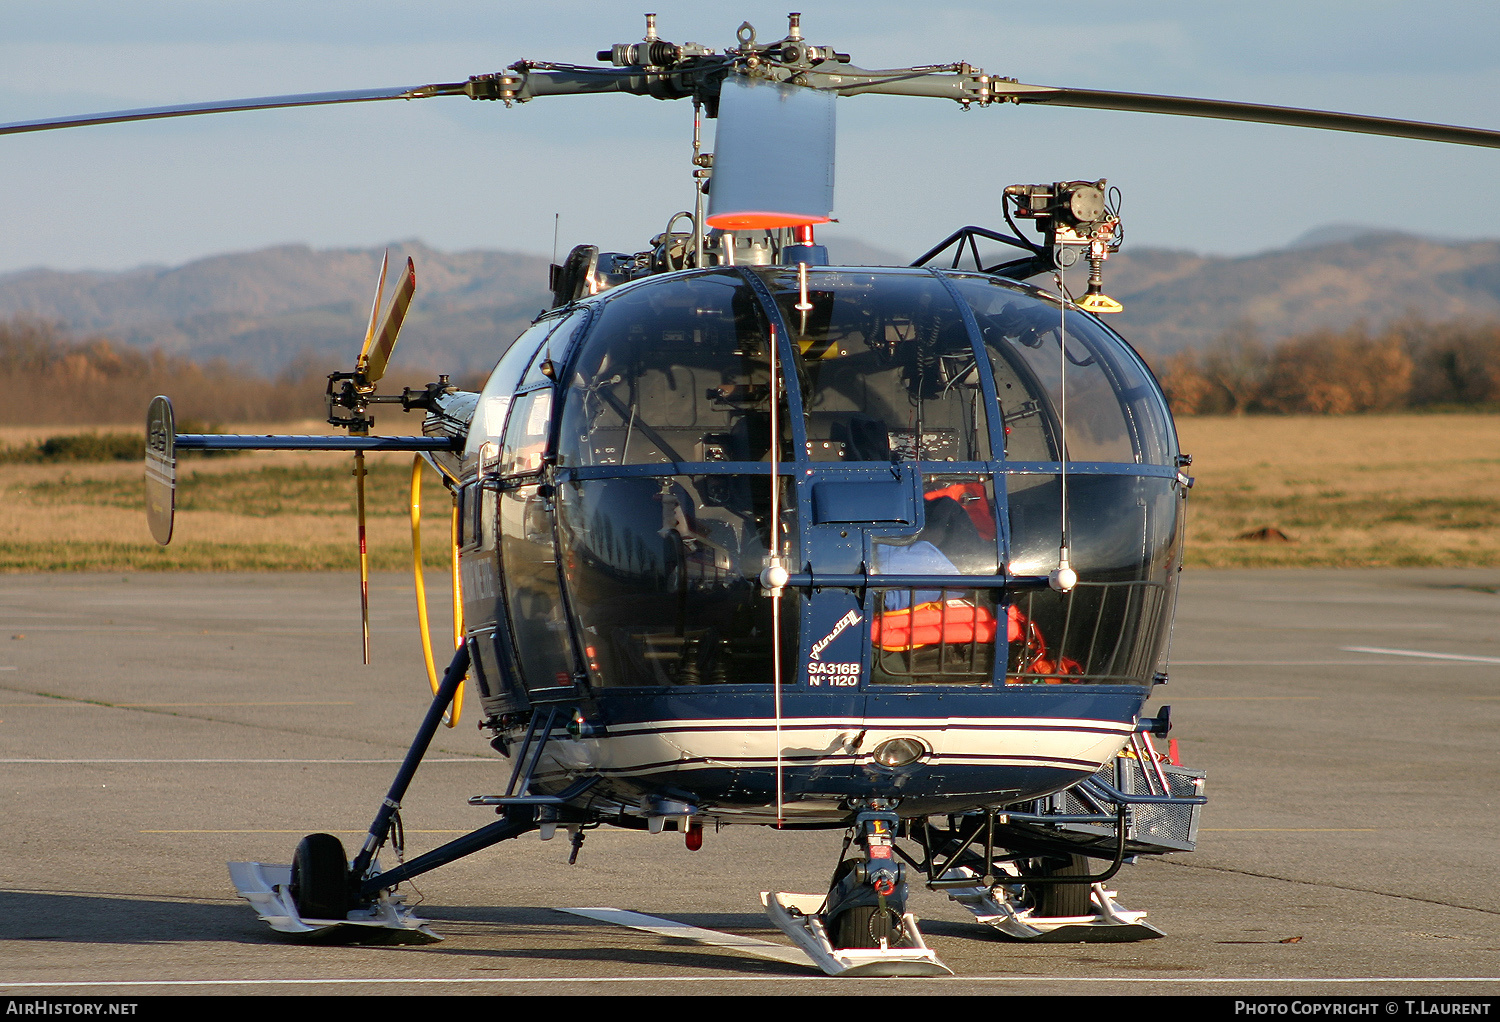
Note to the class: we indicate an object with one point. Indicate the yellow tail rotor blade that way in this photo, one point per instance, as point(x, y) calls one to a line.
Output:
point(364, 352)
point(390, 327)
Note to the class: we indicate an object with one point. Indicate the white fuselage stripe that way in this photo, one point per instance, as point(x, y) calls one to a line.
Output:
point(647, 747)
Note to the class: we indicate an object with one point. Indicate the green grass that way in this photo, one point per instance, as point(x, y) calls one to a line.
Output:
point(1396, 491)
point(257, 492)
point(70, 447)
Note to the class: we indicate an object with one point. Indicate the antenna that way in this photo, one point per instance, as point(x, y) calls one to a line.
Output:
point(775, 575)
point(1064, 578)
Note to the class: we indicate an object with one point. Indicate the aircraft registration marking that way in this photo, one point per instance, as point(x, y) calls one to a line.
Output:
point(839, 675)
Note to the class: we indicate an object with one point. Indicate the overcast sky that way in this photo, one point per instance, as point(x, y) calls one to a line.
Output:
point(460, 175)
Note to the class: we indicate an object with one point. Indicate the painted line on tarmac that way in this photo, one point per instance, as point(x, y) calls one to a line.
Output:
point(1289, 830)
point(28, 627)
point(1287, 663)
point(362, 831)
point(1240, 699)
point(334, 762)
point(842, 982)
point(138, 706)
point(713, 938)
point(1421, 653)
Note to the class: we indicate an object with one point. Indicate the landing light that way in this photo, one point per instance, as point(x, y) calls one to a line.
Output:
point(899, 752)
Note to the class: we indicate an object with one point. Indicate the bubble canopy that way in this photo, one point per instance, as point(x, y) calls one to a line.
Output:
point(872, 349)
point(920, 421)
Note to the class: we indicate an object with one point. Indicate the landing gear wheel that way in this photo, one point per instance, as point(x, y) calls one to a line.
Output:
point(858, 917)
point(320, 878)
point(863, 926)
point(1055, 900)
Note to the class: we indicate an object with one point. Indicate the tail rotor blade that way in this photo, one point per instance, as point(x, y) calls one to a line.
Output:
point(364, 352)
point(385, 336)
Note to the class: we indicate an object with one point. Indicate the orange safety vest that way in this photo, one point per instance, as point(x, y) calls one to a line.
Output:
point(927, 624)
point(959, 621)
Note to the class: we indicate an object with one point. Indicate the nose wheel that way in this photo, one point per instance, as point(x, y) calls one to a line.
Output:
point(868, 927)
point(861, 926)
point(866, 906)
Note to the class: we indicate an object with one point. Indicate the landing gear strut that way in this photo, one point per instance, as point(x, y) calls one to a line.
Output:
point(322, 890)
point(867, 900)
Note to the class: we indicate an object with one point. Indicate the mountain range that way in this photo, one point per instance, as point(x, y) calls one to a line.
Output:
point(273, 308)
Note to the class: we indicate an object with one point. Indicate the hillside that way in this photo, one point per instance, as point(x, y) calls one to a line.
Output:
point(270, 308)
point(1176, 300)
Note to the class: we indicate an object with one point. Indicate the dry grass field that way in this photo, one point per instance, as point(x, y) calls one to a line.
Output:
point(1375, 490)
point(1349, 491)
point(264, 510)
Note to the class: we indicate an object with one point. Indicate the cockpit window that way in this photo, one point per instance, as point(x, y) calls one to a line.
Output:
point(674, 373)
point(494, 401)
point(1114, 411)
point(554, 349)
point(888, 371)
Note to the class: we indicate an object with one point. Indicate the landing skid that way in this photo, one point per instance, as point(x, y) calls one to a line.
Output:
point(998, 908)
point(268, 889)
point(796, 915)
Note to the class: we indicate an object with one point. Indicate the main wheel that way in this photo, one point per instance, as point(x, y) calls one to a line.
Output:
point(320, 878)
point(1054, 900)
point(863, 926)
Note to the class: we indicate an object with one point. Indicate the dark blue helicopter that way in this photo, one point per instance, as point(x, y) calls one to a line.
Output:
point(748, 538)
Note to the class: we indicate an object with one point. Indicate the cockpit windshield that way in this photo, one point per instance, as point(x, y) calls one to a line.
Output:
point(1115, 413)
point(887, 369)
point(671, 375)
point(926, 449)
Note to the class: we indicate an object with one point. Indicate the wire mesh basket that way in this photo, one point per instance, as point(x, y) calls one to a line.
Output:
point(1150, 828)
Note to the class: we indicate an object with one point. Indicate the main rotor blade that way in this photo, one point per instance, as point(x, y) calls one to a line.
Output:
point(1184, 106)
point(233, 105)
point(390, 327)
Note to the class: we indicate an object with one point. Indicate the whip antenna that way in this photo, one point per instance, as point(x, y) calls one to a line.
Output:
point(1064, 578)
point(774, 577)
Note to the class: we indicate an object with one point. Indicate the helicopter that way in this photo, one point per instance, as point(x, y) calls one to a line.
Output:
point(736, 532)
